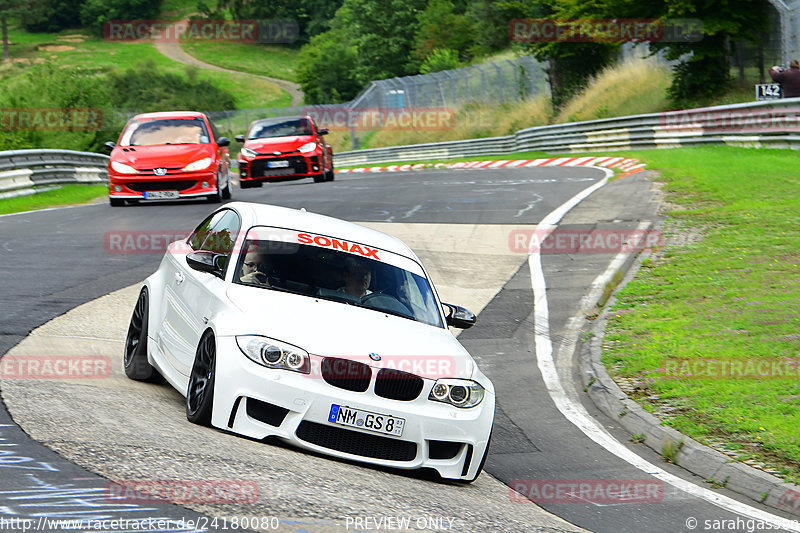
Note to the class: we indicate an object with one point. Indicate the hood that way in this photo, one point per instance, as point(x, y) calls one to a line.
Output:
point(278, 144)
point(333, 329)
point(168, 156)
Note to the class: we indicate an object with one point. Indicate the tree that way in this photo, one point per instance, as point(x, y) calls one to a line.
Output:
point(326, 69)
point(51, 15)
point(571, 64)
point(382, 32)
point(8, 8)
point(441, 28)
point(95, 13)
point(703, 68)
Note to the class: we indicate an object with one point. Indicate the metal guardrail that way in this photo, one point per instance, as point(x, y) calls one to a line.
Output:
point(773, 124)
point(25, 169)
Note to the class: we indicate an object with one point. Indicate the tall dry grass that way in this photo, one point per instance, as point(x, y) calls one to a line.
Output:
point(632, 87)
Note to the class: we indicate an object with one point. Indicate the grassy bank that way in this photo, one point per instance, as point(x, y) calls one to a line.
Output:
point(71, 194)
point(724, 293)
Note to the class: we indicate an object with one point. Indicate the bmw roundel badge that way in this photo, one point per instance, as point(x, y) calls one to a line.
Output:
point(375, 357)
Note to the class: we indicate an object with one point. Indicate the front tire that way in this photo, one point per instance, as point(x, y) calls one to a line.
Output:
point(116, 202)
point(330, 174)
point(200, 395)
point(227, 192)
point(319, 178)
point(135, 359)
point(216, 197)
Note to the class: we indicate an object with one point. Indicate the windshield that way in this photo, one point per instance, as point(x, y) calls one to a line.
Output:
point(337, 276)
point(166, 131)
point(281, 128)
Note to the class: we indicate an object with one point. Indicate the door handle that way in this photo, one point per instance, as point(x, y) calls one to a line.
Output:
point(179, 277)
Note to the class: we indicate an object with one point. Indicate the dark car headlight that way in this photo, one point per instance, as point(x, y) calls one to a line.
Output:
point(458, 392)
point(273, 353)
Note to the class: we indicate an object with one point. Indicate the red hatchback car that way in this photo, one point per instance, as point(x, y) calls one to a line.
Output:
point(284, 148)
point(169, 155)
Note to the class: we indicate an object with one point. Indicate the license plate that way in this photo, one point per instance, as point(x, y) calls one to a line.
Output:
point(277, 164)
point(278, 172)
point(385, 424)
point(161, 195)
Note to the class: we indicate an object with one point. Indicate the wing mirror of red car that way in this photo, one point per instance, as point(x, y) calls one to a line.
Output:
point(239, 138)
point(323, 131)
point(110, 145)
point(223, 141)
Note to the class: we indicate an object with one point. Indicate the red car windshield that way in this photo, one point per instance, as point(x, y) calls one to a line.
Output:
point(280, 128)
point(165, 131)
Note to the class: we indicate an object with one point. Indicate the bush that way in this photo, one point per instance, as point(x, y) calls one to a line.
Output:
point(440, 59)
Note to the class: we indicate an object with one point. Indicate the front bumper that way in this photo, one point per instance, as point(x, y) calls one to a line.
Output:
point(257, 169)
point(187, 184)
point(258, 402)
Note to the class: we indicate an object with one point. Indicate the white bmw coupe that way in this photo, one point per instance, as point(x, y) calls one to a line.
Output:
point(327, 334)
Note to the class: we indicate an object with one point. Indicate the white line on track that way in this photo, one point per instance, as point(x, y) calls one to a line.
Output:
point(574, 411)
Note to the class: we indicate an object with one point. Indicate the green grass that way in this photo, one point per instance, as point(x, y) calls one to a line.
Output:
point(265, 60)
point(95, 53)
point(71, 194)
point(726, 286)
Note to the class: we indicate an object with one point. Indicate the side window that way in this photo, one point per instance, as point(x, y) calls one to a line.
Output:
point(217, 233)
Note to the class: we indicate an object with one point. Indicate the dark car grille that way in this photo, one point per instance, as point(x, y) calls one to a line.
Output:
point(397, 385)
point(175, 185)
point(259, 167)
point(356, 443)
point(345, 374)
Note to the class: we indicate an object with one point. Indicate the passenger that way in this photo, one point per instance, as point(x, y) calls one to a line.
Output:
point(254, 268)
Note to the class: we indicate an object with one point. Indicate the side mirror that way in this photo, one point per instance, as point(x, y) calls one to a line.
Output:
point(458, 317)
point(223, 141)
point(205, 261)
point(323, 131)
point(110, 145)
point(239, 138)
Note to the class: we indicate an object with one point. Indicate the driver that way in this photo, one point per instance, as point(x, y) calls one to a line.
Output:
point(254, 268)
point(357, 277)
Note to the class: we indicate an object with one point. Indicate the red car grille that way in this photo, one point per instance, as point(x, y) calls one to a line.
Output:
point(260, 168)
point(175, 185)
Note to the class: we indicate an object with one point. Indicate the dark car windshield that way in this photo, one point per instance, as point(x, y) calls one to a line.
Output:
point(339, 276)
point(280, 128)
point(165, 131)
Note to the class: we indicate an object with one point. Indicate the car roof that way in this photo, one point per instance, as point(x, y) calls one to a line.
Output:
point(257, 214)
point(170, 114)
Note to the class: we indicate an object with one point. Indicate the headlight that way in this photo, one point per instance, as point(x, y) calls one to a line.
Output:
point(458, 392)
point(308, 147)
point(274, 353)
point(247, 152)
point(200, 164)
point(122, 168)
